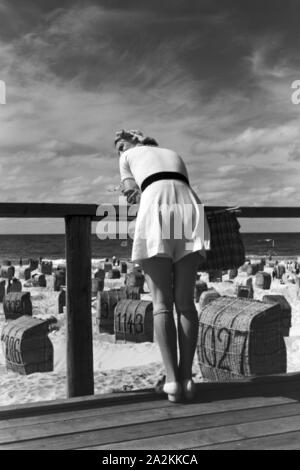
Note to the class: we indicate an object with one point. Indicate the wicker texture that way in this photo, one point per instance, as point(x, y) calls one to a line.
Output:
point(227, 249)
point(26, 346)
point(240, 338)
point(208, 296)
point(286, 311)
point(46, 267)
point(135, 279)
point(106, 303)
point(59, 279)
point(2, 289)
point(134, 321)
point(263, 280)
point(7, 272)
point(17, 304)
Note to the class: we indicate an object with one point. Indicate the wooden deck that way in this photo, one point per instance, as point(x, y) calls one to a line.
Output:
point(262, 413)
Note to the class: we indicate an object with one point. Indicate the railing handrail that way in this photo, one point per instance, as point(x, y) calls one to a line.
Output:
point(57, 210)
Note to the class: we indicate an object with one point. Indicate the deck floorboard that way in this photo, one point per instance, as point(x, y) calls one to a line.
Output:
point(258, 414)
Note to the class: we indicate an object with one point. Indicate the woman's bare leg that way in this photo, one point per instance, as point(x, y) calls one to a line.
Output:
point(158, 274)
point(185, 271)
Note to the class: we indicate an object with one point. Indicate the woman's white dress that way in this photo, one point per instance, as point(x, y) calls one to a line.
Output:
point(170, 220)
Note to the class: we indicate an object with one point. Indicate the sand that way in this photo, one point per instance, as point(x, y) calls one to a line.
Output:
point(117, 366)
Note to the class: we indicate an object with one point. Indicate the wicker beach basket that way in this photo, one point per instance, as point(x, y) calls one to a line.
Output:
point(263, 280)
point(133, 321)
point(2, 289)
point(46, 267)
point(106, 303)
point(240, 338)
point(26, 346)
point(7, 272)
point(17, 304)
point(135, 279)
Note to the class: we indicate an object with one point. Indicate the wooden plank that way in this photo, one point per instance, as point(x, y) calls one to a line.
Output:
point(80, 373)
point(75, 403)
point(187, 415)
point(150, 434)
point(166, 407)
point(285, 441)
point(287, 384)
point(48, 210)
point(204, 437)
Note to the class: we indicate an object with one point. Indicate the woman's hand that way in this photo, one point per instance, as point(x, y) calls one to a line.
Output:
point(131, 191)
point(132, 195)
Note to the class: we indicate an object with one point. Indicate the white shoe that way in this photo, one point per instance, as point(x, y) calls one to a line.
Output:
point(189, 389)
point(173, 390)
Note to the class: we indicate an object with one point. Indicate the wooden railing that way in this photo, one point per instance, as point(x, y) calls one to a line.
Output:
point(78, 218)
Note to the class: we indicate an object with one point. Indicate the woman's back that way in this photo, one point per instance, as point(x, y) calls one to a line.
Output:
point(142, 161)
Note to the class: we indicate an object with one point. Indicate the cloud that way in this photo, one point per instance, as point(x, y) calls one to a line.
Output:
point(210, 79)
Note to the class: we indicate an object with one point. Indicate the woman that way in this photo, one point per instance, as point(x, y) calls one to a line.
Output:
point(169, 256)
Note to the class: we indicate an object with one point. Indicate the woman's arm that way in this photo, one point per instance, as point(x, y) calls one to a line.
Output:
point(129, 187)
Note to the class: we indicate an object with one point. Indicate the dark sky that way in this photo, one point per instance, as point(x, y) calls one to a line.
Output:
point(210, 79)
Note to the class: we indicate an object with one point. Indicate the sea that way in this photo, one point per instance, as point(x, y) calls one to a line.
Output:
point(52, 246)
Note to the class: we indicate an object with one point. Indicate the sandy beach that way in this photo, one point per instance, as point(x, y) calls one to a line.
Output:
point(118, 366)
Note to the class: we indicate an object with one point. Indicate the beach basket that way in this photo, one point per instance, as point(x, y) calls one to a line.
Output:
point(200, 287)
point(38, 280)
point(46, 267)
point(7, 272)
point(14, 285)
point(135, 279)
point(113, 274)
point(61, 267)
point(107, 267)
point(17, 304)
point(215, 276)
point(227, 248)
point(245, 292)
point(59, 279)
point(32, 263)
point(253, 269)
point(240, 338)
point(232, 273)
point(263, 280)
point(131, 292)
point(99, 274)
point(133, 321)
point(5, 262)
point(2, 289)
point(285, 309)
point(207, 296)
point(280, 270)
point(26, 346)
point(62, 299)
point(244, 267)
point(106, 303)
point(123, 267)
point(25, 272)
point(96, 285)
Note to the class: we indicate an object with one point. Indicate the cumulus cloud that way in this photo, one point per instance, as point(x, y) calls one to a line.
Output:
point(210, 79)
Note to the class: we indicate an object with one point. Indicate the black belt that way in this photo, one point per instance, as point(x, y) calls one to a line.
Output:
point(163, 175)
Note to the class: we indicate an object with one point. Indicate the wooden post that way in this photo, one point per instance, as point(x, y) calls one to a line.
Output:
point(80, 374)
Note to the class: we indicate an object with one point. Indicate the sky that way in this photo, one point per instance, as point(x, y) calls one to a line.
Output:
point(210, 79)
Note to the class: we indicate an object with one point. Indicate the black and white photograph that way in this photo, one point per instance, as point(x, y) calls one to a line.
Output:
point(149, 227)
